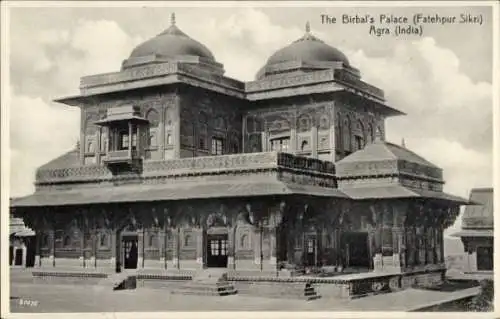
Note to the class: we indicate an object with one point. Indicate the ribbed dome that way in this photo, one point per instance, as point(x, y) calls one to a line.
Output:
point(171, 43)
point(308, 48)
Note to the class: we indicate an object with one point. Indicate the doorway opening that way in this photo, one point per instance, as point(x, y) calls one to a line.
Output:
point(484, 258)
point(356, 250)
point(18, 260)
point(311, 250)
point(129, 251)
point(217, 250)
point(30, 251)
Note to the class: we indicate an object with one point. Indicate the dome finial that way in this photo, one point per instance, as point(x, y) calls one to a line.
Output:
point(403, 144)
point(308, 27)
point(172, 18)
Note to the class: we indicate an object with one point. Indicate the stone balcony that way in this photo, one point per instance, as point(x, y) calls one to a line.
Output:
point(121, 156)
point(286, 165)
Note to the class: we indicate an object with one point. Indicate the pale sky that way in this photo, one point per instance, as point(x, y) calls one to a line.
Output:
point(442, 80)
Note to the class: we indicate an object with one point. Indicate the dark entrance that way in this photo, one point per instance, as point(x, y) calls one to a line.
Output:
point(11, 254)
point(484, 258)
point(30, 251)
point(310, 248)
point(18, 257)
point(355, 245)
point(217, 250)
point(129, 252)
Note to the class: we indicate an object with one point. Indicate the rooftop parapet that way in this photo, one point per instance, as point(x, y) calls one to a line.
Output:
point(197, 166)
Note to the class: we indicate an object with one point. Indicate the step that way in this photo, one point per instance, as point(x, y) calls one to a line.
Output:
point(205, 288)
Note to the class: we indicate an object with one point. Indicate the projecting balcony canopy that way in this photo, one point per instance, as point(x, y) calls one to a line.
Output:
point(399, 191)
point(474, 233)
point(122, 114)
point(177, 191)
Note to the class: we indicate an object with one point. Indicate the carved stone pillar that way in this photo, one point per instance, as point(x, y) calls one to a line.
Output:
point(293, 139)
point(397, 239)
point(52, 241)
point(176, 130)
point(258, 245)
point(200, 231)
point(115, 253)
point(272, 246)
point(265, 141)
point(83, 142)
point(377, 257)
point(231, 245)
point(314, 141)
point(38, 259)
point(162, 247)
point(333, 145)
point(140, 248)
point(161, 135)
point(176, 247)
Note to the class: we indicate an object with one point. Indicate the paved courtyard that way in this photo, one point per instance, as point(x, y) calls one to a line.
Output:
point(33, 298)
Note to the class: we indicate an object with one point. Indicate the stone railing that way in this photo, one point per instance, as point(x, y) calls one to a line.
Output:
point(305, 164)
point(193, 166)
point(87, 173)
point(219, 163)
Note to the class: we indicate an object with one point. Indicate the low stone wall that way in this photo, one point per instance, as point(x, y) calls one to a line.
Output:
point(68, 278)
point(276, 289)
point(340, 286)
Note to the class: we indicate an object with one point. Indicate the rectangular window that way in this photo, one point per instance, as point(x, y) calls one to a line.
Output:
point(124, 141)
point(280, 144)
point(217, 146)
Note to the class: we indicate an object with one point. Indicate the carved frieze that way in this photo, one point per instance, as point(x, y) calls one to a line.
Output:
point(289, 80)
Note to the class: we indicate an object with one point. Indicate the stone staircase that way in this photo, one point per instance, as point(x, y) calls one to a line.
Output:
point(208, 282)
point(119, 281)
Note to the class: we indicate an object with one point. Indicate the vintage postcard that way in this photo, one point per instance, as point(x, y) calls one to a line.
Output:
point(311, 158)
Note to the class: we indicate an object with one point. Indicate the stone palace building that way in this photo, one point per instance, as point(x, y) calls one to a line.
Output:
point(181, 167)
point(477, 232)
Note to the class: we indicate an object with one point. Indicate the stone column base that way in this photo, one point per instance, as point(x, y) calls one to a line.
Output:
point(175, 262)
point(272, 260)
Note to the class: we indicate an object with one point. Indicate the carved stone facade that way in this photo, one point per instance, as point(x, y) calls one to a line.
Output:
point(181, 167)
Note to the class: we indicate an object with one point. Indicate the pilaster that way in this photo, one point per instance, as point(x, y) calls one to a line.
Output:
point(175, 247)
point(52, 241)
point(200, 233)
point(161, 135)
point(162, 247)
point(293, 139)
point(38, 259)
point(272, 246)
point(333, 146)
point(265, 141)
point(258, 251)
point(231, 247)
point(314, 141)
point(140, 248)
